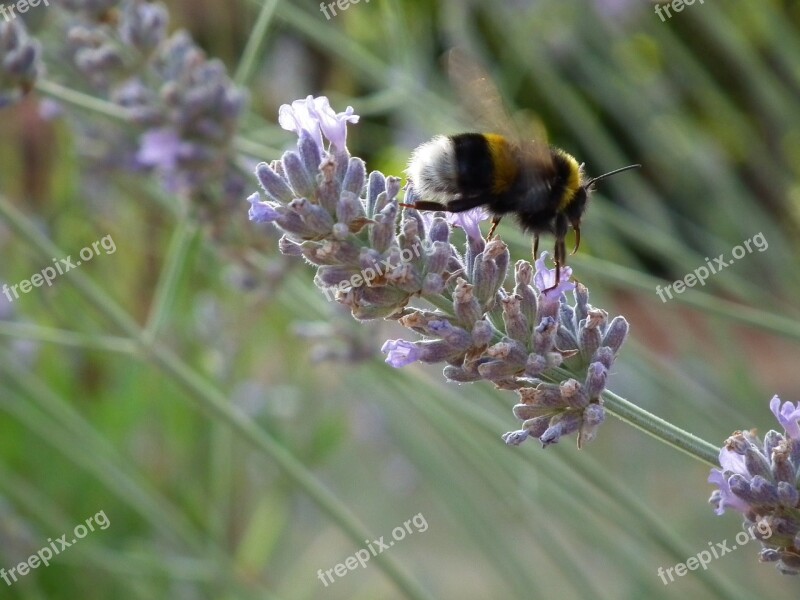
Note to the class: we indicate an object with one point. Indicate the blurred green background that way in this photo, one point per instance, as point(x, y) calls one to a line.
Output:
point(225, 440)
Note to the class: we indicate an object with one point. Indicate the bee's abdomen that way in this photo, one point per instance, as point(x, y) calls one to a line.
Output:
point(433, 169)
point(467, 164)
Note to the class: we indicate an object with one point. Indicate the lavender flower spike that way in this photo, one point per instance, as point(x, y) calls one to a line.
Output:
point(761, 480)
point(377, 259)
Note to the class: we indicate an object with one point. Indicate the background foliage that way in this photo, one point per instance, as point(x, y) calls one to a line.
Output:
point(224, 419)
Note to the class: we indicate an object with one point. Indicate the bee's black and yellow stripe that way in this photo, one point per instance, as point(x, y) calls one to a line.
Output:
point(487, 164)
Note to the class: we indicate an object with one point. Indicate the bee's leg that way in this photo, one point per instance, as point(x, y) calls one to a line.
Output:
point(535, 245)
point(577, 238)
point(424, 205)
point(561, 257)
point(560, 250)
point(495, 222)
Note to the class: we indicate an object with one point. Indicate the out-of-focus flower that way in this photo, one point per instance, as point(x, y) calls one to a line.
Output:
point(160, 148)
point(375, 259)
point(186, 107)
point(761, 480)
point(20, 62)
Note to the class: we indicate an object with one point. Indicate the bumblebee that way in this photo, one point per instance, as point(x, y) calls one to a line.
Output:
point(544, 187)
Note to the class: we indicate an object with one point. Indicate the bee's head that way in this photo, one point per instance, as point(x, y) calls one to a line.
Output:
point(574, 210)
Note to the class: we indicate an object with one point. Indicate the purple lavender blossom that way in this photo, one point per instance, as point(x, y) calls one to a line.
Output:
point(186, 107)
point(759, 478)
point(400, 353)
point(316, 117)
point(469, 221)
point(159, 148)
point(545, 278)
point(788, 416)
point(261, 212)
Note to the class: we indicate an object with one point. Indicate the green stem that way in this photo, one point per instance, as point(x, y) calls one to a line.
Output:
point(649, 423)
point(661, 429)
point(213, 402)
point(255, 42)
point(87, 341)
point(175, 265)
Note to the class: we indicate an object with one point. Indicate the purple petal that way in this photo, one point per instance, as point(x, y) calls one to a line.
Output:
point(261, 212)
point(545, 278)
point(400, 353)
point(315, 116)
point(788, 416)
point(334, 126)
point(160, 148)
point(301, 116)
point(727, 499)
point(733, 462)
point(469, 221)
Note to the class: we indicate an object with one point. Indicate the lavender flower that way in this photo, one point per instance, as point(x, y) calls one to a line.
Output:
point(761, 480)
point(313, 115)
point(469, 221)
point(191, 118)
point(20, 62)
point(186, 107)
point(400, 353)
point(375, 260)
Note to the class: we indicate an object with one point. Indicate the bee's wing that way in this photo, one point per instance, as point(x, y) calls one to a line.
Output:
point(485, 107)
point(479, 96)
point(535, 148)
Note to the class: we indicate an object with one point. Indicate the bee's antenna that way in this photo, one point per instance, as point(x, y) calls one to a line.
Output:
point(609, 174)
